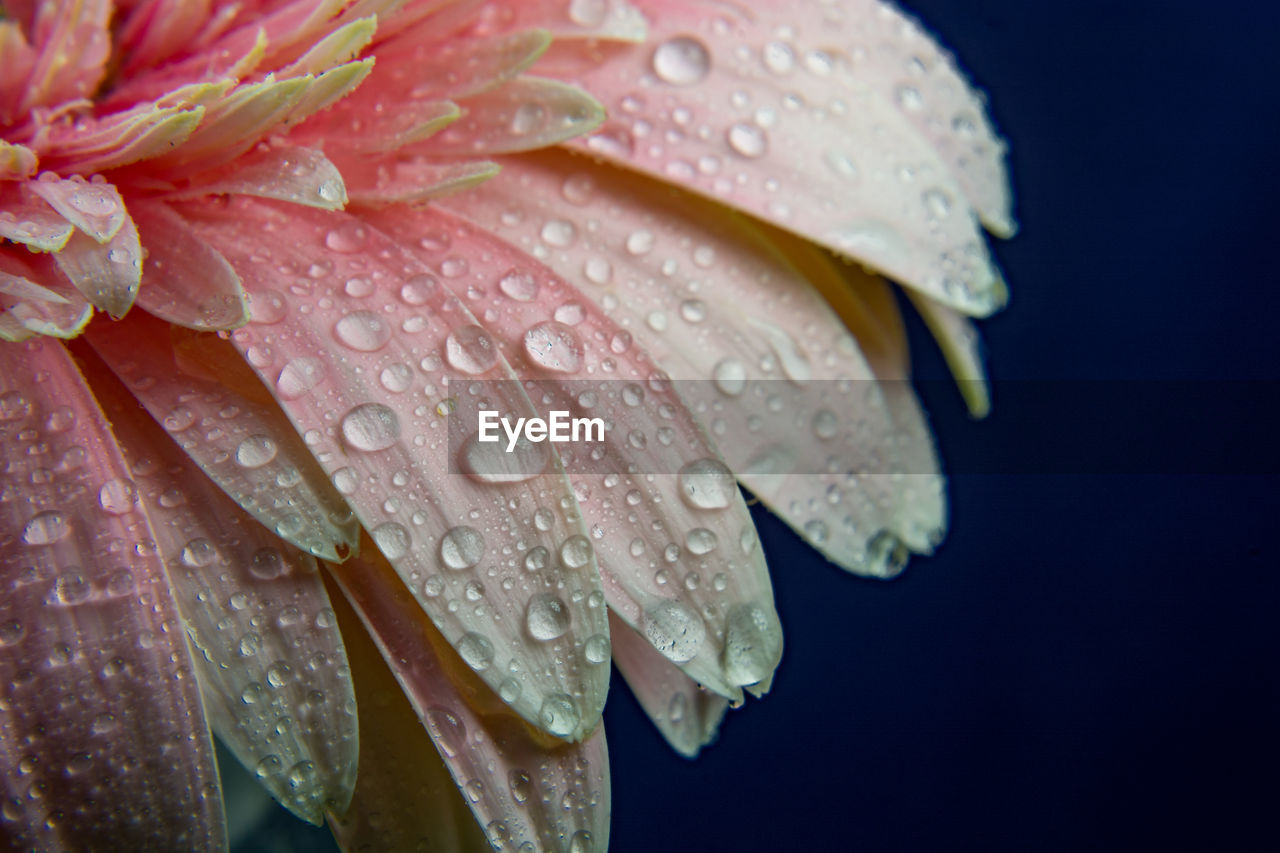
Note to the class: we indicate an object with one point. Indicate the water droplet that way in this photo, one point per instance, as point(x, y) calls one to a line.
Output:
point(476, 650)
point(700, 541)
point(748, 140)
point(681, 61)
point(559, 714)
point(347, 238)
point(730, 376)
point(118, 496)
point(582, 842)
point(554, 346)
point(267, 307)
point(250, 644)
point(521, 785)
point(546, 617)
point(588, 13)
point(255, 451)
point(198, 553)
point(362, 331)
point(577, 188)
point(640, 242)
point(825, 424)
point(267, 563)
point(519, 285)
point(178, 419)
point(752, 644)
point(559, 233)
point(693, 310)
point(707, 484)
point(45, 528)
point(449, 732)
point(597, 649)
point(370, 427)
point(14, 406)
point(470, 349)
point(298, 377)
point(575, 553)
point(462, 547)
point(675, 630)
point(392, 540)
point(779, 57)
point(598, 270)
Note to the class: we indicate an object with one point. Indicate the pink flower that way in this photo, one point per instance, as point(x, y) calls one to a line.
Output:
point(328, 233)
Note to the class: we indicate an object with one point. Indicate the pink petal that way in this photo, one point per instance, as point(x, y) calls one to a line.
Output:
point(405, 798)
point(19, 59)
point(268, 655)
point(425, 69)
point(673, 570)
point(608, 20)
point(97, 144)
point(27, 219)
point(367, 359)
point(527, 113)
point(41, 301)
point(108, 274)
point(292, 174)
point(95, 208)
point(16, 161)
point(704, 293)
point(72, 45)
point(521, 788)
point(382, 182)
point(687, 715)
point(782, 128)
point(200, 391)
point(102, 735)
point(158, 29)
point(188, 283)
point(362, 127)
point(342, 45)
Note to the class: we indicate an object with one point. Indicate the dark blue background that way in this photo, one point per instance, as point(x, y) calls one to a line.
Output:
point(1090, 661)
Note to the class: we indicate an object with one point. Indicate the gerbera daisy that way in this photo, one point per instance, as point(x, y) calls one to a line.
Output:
point(264, 266)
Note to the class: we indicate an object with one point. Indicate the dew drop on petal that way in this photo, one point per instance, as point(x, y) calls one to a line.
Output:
point(707, 484)
point(118, 496)
point(576, 551)
point(255, 451)
point(45, 528)
point(554, 346)
point(729, 376)
point(597, 649)
point(470, 349)
point(299, 376)
point(362, 331)
point(675, 630)
point(752, 644)
point(462, 547)
point(747, 139)
point(681, 61)
point(559, 714)
point(370, 427)
point(546, 617)
point(519, 285)
point(392, 540)
point(476, 650)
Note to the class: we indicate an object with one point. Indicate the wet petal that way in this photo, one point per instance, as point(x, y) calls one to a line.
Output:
point(405, 798)
point(415, 69)
point(16, 161)
point(40, 301)
point(527, 113)
point(412, 181)
point(293, 174)
point(27, 219)
point(95, 145)
point(799, 417)
point(157, 29)
point(608, 20)
point(962, 348)
point(369, 358)
point(668, 567)
point(188, 283)
point(687, 715)
point(270, 660)
point(522, 786)
point(108, 274)
point(72, 46)
point(95, 208)
point(98, 682)
point(785, 130)
point(211, 404)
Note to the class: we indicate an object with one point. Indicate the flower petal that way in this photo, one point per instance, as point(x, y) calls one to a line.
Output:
point(607, 20)
point(16, 161)
point(95, 145)
point(102, 735)
point(95, 208)
point(687, 715)
point(799, 417)
point(108, 274)
point(368, 358)
point(293, 174)
point(188, 283)
point(405, 798)
point(411, 181)
point(18, 58)
point(669, 567)
point(270, 661)
point(527, 113)
point(28, 219)
point(200, 391)
point(522, 786)
point(42, 301)
point(155, 30)
point(809, 148)
point(415, 69)
point(72, 45)
point(962, 348)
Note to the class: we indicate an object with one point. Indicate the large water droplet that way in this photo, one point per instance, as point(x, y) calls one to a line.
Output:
point(730, 376)
point(597, 649)
point(576, 552)
point(362, 331)
point(559, 714)
point(747, 139)
point(256, 451)
point(462, 547)
point(675, 630)
point(118, 496)
point(392, 540)
point(299, 376)
point(45, 528)
point(546, 617)
point(707, 484)
point(752, 644)
point(681, 61)
point(470, 349)
point(370, 426)
point(554, 346)
point(476, 650)
point(519, 285)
